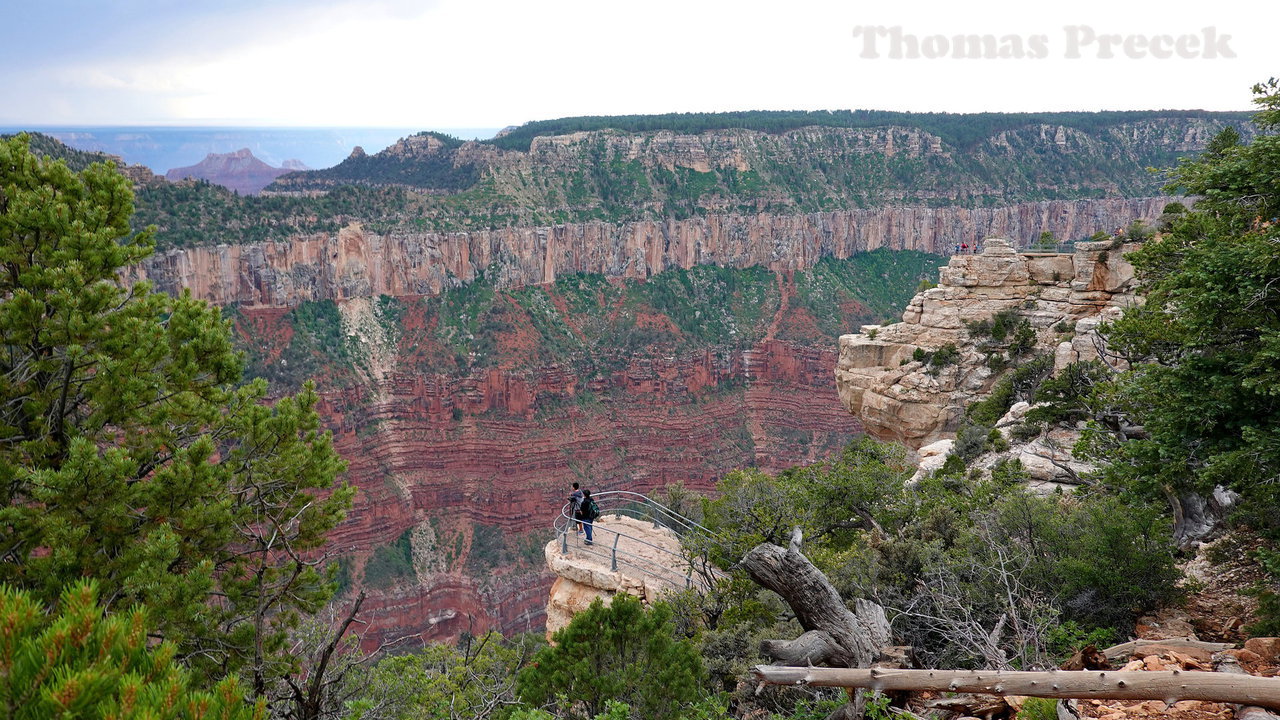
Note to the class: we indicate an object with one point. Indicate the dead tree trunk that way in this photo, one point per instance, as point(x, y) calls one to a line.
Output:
point(1169, 686)
point(833, 635)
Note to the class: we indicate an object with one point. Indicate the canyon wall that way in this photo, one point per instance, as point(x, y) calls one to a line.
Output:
point(355, 263)
point(478, 460)
point(504, 464)
point(463, 440)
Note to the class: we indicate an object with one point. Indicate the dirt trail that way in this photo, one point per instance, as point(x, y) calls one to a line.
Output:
point(786, 287)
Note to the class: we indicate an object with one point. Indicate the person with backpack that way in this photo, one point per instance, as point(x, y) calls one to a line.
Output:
point(590, 511)
point(575, 509)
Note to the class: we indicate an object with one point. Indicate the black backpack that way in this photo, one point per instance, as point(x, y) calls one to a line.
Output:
point(591, 511)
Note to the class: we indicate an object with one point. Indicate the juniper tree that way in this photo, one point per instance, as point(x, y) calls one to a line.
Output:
point(622, 652)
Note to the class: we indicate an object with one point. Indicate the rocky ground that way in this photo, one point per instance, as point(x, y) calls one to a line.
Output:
point(1216, 609)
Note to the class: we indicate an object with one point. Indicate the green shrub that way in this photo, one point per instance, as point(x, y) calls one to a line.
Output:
point(1023, 341)
point(971, 441)
point(1002, 323)
point(1068, 637)
point(1064, 398)
point(622, 652)
point(1018, 385)
point(946, 355)
point(1105, 560)
point(1025, 431)
point(996, 441)
point(1034, 708)
point(997, 327)
point(390, 563)
point(1268, 613)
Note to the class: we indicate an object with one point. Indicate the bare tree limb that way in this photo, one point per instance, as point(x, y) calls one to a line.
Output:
point(1170, 685)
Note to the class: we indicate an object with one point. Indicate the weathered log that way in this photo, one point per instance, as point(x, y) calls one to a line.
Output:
point(1197, 518)
point(833, 635)
point(1170, 685)
point(1124, 651)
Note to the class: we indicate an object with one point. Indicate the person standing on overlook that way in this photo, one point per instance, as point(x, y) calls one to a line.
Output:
point(575, 502)
point(590, 511)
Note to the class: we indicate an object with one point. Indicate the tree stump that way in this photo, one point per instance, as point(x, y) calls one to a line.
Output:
point(834, 635)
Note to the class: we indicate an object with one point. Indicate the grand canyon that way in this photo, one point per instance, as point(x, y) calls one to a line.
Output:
point(474, 359)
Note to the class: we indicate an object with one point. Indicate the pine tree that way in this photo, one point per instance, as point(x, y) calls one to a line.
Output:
point(130, 450)
point(79, 664)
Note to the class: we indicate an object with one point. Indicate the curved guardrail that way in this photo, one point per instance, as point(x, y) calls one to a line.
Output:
point(640, 507)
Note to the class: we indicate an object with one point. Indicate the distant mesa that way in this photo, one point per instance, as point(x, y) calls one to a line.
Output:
point(239, 171)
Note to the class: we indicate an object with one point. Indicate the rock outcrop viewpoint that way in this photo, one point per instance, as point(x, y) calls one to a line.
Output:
point(585, 572)
point(884, 378)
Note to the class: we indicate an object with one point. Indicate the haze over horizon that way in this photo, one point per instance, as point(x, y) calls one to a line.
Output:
point(433, 64)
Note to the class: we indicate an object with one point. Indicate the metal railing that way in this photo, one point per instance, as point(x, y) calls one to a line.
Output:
point(1062, 248)
point(639, 507)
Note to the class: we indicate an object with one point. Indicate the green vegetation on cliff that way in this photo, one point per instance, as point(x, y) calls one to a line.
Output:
point(596, 325)
point(633, 168)
point(958, 129)
point(429, 170)
point(191, 213)
point(1203, 389)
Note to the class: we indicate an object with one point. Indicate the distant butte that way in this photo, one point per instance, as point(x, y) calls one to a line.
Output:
point(239, 171)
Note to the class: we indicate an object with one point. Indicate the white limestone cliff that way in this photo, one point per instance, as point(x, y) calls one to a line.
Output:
point(1063, 296)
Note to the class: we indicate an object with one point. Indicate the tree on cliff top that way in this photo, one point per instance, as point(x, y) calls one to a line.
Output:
point(1206, 385)
point(128, 452)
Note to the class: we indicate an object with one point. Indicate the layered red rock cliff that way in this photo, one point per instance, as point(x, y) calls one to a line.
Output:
point(455, 454)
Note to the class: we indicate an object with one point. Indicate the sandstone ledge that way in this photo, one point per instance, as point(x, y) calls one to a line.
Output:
point(1064, 296)
point(649, 565)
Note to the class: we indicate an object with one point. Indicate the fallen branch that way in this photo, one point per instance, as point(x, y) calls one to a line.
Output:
point(1169, 686)
point(1124, 651)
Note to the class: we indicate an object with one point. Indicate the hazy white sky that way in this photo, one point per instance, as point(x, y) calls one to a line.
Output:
point(490, 63)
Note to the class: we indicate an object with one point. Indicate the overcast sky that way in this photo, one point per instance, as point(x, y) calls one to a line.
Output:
point(490, 63)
